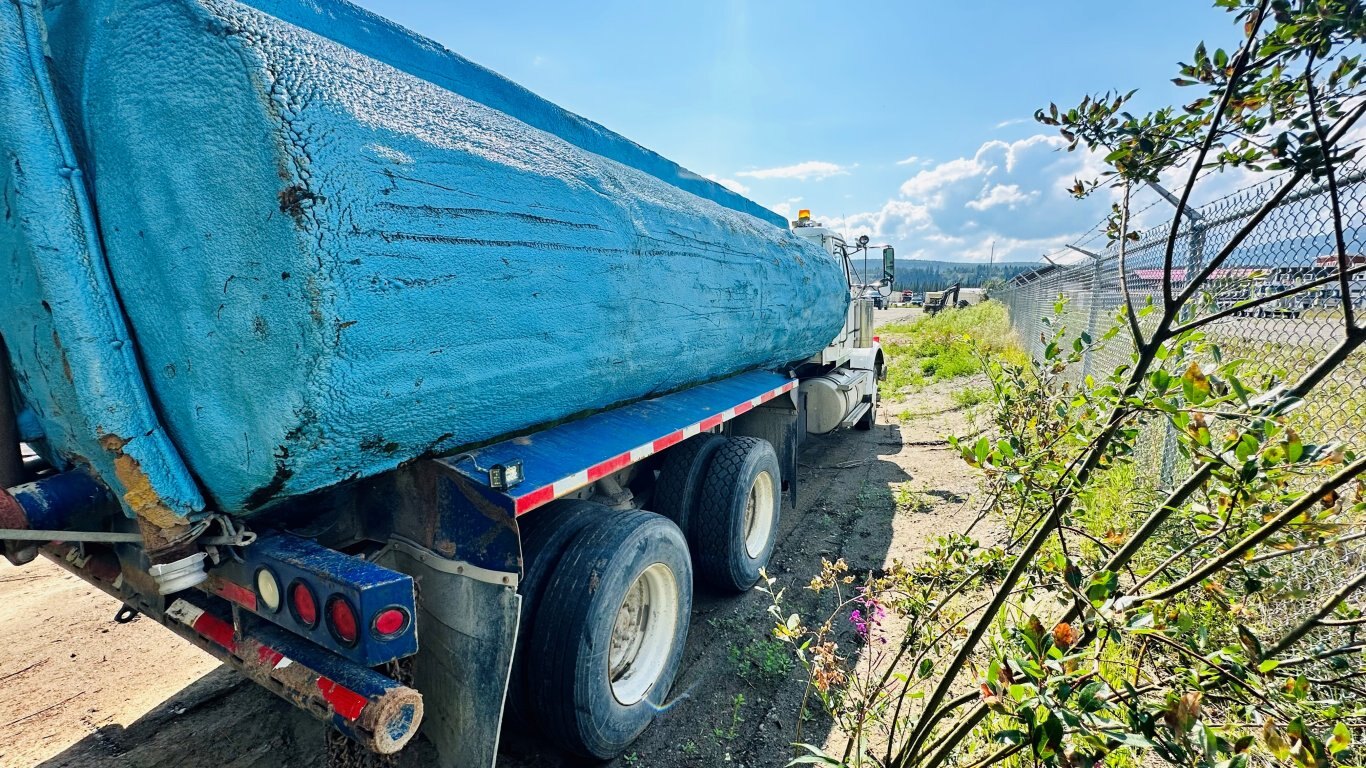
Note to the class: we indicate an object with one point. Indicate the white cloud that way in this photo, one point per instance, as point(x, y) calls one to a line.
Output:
point(730, 184)
point(913, 160)
point(924, 185)
point(1012, 121)
point(813, 170)
point(1012, 194)
point(1001, 194)
point(786, 207)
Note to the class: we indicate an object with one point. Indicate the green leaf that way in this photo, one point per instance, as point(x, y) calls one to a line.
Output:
point(817, 757)
point(1103, 585)
point(1341, 740)
point(1267, 665)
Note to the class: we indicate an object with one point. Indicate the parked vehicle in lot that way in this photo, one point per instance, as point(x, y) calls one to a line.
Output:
point(304, 311)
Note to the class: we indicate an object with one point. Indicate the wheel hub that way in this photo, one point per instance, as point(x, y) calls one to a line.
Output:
point(643, 633)
point(759, 514)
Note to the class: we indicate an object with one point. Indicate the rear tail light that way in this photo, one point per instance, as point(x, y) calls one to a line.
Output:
point(268, 589)
point(303, 604)
point(390, 623)
point(877, 339)
point(341, 620)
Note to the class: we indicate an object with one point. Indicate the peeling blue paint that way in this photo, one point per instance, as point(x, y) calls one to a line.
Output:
point(332, 266)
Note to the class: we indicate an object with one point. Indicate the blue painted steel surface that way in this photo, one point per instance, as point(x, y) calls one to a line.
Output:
point(70, 349)
point(368, 587)
point(564, 450)
point(50, 504)
point(332, 266)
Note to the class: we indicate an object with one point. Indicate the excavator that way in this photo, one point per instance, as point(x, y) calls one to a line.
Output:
point(945, 299)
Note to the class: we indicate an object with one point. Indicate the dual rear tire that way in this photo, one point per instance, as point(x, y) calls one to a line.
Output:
point(607, 597)
point(607, 594)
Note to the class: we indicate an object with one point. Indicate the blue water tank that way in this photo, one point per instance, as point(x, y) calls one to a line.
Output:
point(332, 263)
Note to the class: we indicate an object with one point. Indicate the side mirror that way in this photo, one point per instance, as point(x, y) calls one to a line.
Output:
point(889, 265)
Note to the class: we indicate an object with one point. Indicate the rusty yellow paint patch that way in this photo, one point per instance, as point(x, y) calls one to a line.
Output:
point(138, 493)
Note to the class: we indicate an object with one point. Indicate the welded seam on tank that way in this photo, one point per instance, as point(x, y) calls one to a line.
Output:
point(96, 342)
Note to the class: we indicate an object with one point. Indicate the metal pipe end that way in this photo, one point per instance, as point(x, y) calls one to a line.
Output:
point(392, 720)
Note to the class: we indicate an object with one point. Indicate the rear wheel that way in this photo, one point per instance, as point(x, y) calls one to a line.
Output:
point(610, 631)
point(680, 477)
point(736, 524)
point(546, 533)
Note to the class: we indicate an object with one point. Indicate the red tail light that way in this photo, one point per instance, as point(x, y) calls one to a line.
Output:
point(303, 604)
point(341, 619)
point(877, 339)
point(390, 622)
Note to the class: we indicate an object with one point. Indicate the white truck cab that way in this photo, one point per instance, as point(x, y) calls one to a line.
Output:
point(840, 383)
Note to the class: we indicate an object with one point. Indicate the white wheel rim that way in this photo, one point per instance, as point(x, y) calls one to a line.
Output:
point(759, 514)
point(643, 635)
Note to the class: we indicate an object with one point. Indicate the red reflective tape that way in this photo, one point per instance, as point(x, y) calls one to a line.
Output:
point(217, 630)
point(599, 471)
point(669, 440)
point(268, 656)
point(235, 592)
point(535, 499)
point(344, 701)
point(546, 493)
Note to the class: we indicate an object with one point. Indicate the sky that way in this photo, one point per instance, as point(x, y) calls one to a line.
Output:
point(908, 121)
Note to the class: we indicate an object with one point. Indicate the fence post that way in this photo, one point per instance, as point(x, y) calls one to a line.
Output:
point(1093, 315)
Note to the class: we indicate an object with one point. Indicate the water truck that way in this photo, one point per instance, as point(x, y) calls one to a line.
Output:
point(408, 394)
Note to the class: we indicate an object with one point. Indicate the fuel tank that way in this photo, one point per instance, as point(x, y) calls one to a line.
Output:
point(338, 247)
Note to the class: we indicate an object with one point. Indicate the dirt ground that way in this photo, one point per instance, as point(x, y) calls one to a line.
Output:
point(78, 689)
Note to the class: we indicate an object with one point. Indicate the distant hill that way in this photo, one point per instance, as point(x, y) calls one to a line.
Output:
point(925, 275)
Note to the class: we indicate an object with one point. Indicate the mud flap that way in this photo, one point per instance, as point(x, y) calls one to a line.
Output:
point(467, 621)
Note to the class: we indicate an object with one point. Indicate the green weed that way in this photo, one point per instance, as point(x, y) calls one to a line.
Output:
point(968, 397)
point(763, 660)
point(949, 345)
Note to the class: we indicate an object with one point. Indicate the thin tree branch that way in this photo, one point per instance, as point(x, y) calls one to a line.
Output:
point(1231, 87)
point(1215, 564)
point(1344, 284)
point(1253, 304)
point(1308, 625)
point(1130, 314)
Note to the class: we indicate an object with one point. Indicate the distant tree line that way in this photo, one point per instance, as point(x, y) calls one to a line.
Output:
point(920, 276)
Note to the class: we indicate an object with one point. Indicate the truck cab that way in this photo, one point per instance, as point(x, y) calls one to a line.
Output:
point(840, 383)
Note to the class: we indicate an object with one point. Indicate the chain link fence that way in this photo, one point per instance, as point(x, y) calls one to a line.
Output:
point(1280, 340)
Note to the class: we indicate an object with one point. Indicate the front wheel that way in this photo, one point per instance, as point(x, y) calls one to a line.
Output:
point(610, 632)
